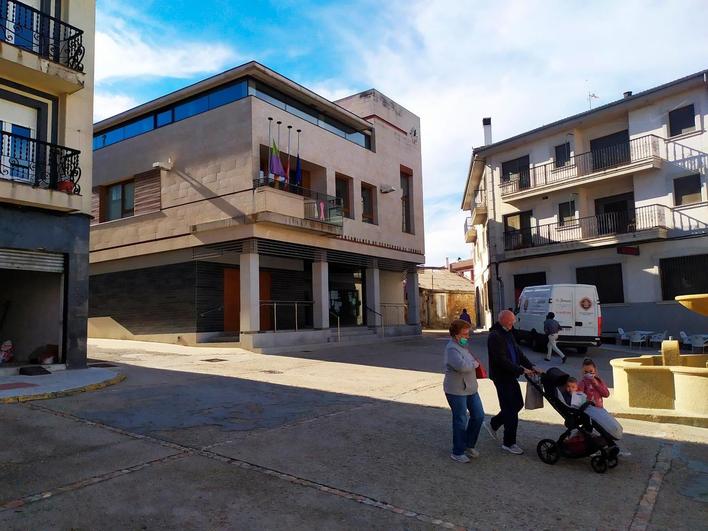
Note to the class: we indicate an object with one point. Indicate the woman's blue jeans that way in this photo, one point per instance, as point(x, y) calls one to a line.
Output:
point(464, 431)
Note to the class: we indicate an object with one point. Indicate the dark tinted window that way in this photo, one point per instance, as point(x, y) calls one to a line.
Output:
point(566, 213)
point(682, 120)
point(164, 118)
point(139, 127)
point(190, 108)
point(562, 155)
point(685, 275)
point(228, 94)
point(515, 169)
point(368, 214)
point(687, 190)
point(606, 278)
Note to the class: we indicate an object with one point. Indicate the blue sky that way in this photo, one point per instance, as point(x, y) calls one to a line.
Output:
point(452, 62)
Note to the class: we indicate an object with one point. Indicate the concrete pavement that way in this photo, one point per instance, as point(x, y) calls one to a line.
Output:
point(349, 437)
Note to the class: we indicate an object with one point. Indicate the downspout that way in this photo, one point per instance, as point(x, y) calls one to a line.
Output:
point(500, 282)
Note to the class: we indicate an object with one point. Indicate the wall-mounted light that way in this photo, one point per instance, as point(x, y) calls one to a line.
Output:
point(387, 188)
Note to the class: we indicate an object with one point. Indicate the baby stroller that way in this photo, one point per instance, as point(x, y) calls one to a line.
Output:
point(590, 431)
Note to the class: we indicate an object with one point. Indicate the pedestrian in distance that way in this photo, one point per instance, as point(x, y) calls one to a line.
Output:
point(460, 386)
point(506, 363)
point(552, 328)
point(464, 316)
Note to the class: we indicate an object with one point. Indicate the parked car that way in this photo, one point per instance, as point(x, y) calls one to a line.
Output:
point(577, 309)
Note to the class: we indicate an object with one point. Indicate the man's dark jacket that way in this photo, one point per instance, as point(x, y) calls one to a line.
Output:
point(501, 366)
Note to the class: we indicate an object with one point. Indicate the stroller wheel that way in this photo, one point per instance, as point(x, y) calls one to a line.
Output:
point(612, 462)
point(599, 464)
point(548, 451)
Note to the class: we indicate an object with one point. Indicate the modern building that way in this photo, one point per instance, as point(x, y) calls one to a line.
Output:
point(443, 296)
point(201, 233)
point(46, 107)
point(615, 197)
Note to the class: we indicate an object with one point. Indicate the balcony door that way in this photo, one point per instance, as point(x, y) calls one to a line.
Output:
point(517, 230)
point(610, 151)
point(18, 126)
point(615, 214)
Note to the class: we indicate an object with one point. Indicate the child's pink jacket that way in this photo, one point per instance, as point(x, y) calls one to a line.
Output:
point(595, 389)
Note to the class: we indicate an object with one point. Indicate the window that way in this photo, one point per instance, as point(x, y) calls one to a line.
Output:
point(192, 107)
point(566, 213)
point(607, 279)
point(368, 203)
point(406, 221)
point(21, 153)
point(682, 120)
point(138, 127)
point(517, 169)
point(562, 155)
point(120, 200)
point(518, 232)
point(227, 94)
point(687, 190)
point(163, 118)
point(684, 275)
point(343, 192)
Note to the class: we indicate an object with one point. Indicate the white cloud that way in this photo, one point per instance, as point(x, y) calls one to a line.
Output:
point(524, 63)
point(107, 104)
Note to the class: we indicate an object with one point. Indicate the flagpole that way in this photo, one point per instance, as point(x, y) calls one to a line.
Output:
point(287, 177)
point(281, 163)
point(270, 122)
point(298, 156)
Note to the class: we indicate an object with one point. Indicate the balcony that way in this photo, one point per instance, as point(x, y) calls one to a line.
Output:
point(470, 232)
point(479, 207)
point(644, 223)
point(638, 154)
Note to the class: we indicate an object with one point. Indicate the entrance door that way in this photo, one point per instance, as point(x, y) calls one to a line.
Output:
point(615, 214)
point(232, 300)
point(609, 151)
point(517, 230)
point(526, 280)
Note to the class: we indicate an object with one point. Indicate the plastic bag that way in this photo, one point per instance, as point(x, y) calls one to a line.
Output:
point(534, 397)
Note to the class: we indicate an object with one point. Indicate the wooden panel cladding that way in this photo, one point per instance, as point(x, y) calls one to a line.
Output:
point(98, 204)
point(147, 192)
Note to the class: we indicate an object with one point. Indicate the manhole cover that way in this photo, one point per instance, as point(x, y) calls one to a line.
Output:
point(101, 365)
point(271, 371)
point(213, 360)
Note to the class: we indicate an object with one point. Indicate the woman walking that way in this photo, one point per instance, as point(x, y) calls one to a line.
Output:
point(460, 387)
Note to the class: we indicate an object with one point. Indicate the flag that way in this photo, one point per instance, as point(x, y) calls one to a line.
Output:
point(298, 171)
point(276, 167)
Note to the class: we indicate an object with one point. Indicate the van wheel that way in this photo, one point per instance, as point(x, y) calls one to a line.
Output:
point(582, 350)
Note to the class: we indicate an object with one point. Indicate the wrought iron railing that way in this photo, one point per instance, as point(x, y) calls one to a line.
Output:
point(609, 224)
point(468, 225)
point(40, 33)
point(318, 206)
point(583, 164)
point(479, 198)
point(39, 163)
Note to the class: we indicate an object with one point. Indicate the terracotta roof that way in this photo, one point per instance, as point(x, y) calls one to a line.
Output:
point(442, 280)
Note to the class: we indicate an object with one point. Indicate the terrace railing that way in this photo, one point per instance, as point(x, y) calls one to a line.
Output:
point(583, 164)
point(39, 163)
point(40, 33)
point(318, 206)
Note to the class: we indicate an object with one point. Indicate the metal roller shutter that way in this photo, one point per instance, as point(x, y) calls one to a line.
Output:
point(31, 261)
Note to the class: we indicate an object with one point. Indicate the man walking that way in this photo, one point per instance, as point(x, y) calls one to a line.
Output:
point(506, 363)
point(552, 328)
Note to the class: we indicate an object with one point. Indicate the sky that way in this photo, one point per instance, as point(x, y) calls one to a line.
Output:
point(524, 63)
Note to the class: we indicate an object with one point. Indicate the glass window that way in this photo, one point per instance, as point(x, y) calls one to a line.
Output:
point(683, 275)
point(21, 153)
point(271, 96)
point(333, 127)
point(97, 142)
point(368, 206)
point(112, 136)
point(121, 200)
point(192, 107)
point(164, 118)
point(516, 170)
point(343, 193)
point(228, 94)
point(607, 279)
point(566, 213)
point(128, 198)
point(406, 225)
point(687, 190)
point(139, 127)
point(682, 120)
point(562, 155)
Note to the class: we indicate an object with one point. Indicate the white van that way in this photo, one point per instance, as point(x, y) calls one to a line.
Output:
point(577, 310)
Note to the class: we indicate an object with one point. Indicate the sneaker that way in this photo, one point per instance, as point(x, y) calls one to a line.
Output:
point(547, 358)
point(513, 449)
point(491, 431)
point(563, 359)
point(460, 458)
point(471, 452)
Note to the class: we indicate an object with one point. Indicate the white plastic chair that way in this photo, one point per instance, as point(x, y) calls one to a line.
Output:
point(658, 338)
point(622, 335)
point(636, 337)
point(699, 341)
point(685, 340)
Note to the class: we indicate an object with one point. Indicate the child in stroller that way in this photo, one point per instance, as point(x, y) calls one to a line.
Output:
point(590, 431)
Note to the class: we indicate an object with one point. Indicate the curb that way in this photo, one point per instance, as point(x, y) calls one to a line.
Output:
point(685, 420)
point(59, 394)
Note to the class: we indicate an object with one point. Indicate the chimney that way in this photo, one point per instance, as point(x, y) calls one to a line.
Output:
point(487, 125)
point(447, 263)
point(627, 94)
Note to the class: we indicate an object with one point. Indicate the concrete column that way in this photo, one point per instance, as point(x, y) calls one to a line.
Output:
point(250, 290)
point(373, 296)
point(320, 294)
point(413, 297)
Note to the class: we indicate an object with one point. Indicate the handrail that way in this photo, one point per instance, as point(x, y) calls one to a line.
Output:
point(214, 309)
point(318, 206)
point(274, 304)
point(582, 164)
point(339, 331)
point(49, 37)
point(383, 326)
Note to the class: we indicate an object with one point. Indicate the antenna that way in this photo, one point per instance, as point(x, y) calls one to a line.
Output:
point(592, 95)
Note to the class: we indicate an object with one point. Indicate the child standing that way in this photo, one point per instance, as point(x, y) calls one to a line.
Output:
point(591, 384)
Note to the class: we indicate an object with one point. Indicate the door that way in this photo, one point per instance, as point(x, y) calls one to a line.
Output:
point(232, 300)
point(563, 305)
point(615, 214)
point(609, 151)
point(268, 311)
point(517, 231)
point(18, 124)
point(23, 28)
point(586, 311)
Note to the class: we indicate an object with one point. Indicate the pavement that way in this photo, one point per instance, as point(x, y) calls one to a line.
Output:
point(344, 437)
point(18, 388)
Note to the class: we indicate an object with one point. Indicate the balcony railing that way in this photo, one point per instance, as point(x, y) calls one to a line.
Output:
point(37, 32)
point(468, 225)
point(583, 164)
point(609, 224)
point(479, 198)
point(318, 206)
point(39, 163)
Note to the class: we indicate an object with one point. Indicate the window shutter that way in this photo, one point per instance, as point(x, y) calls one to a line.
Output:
point(148, 192)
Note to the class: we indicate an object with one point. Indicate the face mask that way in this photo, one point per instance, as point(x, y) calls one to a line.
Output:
point(464, 341)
